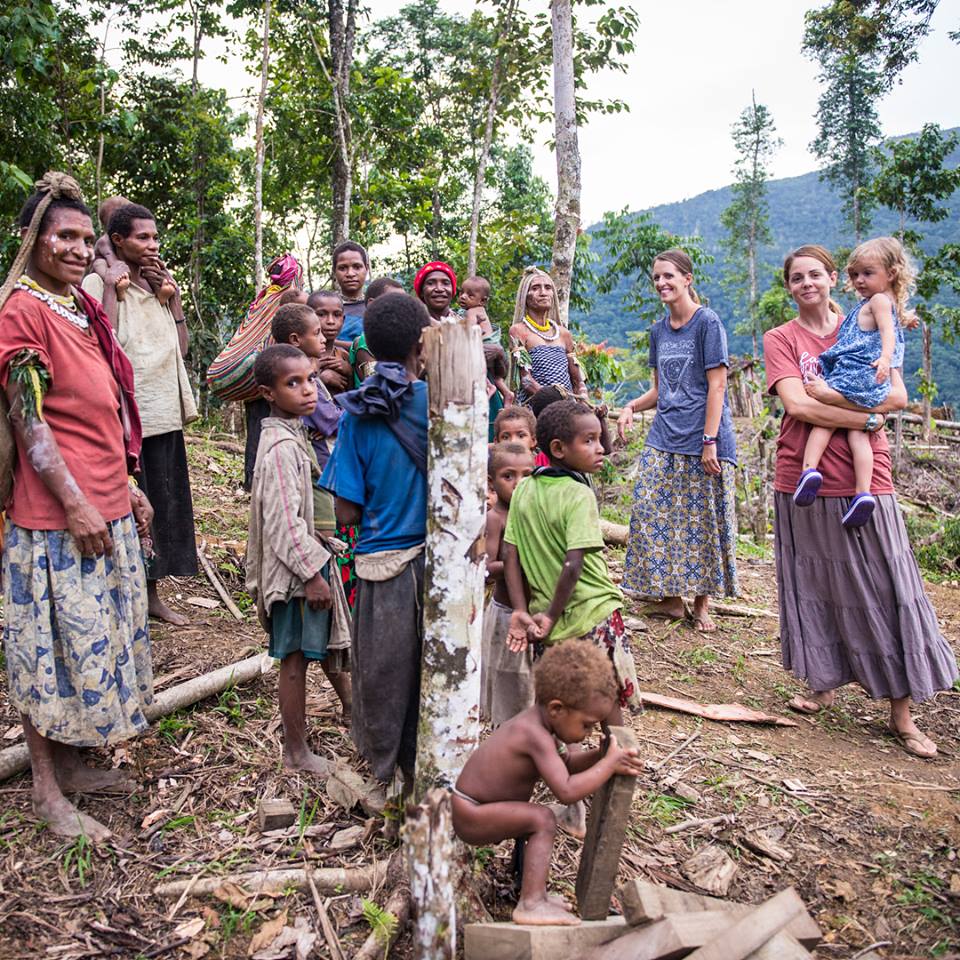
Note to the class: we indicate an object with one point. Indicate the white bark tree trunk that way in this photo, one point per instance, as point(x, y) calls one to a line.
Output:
point(453, 596)
point(258, 170)
point(567, 214)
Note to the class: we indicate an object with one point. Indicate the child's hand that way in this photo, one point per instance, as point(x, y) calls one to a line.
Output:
point(520, 624)
point(543, 624)
point(624, 762)
point(318, 594)
point(883, 369)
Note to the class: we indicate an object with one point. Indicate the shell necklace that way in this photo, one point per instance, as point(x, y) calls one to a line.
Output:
point(65, 307)
point(542, 330)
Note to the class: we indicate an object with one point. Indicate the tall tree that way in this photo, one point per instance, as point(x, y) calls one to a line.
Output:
point(258, 163)
point(746, 219)
point(568, 154)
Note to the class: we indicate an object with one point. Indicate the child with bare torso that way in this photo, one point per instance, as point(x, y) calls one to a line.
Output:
point(474, 295)
point(505, 677)
point(575, 691)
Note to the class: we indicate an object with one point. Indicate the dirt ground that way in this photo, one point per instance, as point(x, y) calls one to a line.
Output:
point(869, 836)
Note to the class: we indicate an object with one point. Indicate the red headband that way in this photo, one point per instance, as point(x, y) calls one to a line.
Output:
point(438, 266)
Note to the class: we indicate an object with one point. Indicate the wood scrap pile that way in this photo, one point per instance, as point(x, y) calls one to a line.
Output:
point(665, 924)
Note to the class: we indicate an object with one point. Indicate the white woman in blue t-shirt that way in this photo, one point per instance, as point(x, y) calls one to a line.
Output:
point(683, 525)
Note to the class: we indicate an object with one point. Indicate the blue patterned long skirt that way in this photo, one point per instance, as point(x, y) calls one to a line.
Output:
point(683, 532)
point(75, 637)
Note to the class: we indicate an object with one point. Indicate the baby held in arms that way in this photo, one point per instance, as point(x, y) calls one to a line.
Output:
point(575, 690)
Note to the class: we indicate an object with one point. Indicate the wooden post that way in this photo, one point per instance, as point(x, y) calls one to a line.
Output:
point(432, 857)
point(606, 830)
point(453, 594)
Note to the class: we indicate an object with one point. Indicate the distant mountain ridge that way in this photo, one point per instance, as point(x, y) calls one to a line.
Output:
point(802, 209)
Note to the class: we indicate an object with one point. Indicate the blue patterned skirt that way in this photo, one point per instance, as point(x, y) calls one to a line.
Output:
point(75, 636)
point(683, 532)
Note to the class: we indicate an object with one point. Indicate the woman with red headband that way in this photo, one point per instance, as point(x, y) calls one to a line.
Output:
point(436, 285)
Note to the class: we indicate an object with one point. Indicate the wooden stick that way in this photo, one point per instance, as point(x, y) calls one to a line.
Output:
point(214, 579)
point(329, 879)
point(329, 934)
point(737, 610)
point(374, 947)
point(686, 743)
point(702, 822)
point(219, 444)
point(614, 533)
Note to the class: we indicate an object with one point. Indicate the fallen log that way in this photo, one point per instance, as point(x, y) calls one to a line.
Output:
point(738, 610)
point(615, 534)
point(15, 759)
point(226, 445)
point(331, 880)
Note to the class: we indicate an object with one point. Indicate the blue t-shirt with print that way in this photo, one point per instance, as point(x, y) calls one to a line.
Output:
point(682, 358)
point(369, 467)
point(353, 311)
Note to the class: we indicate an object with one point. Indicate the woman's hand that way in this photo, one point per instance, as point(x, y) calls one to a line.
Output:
point(142, 511)
point(818, 389)
point(529, 385)
point(711, 464)
point(88, 528)
point(625, 422)
point(910, 320)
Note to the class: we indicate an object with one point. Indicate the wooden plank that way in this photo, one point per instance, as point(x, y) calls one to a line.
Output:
point(645, 902)
point(606, 830)
point(781, 946)
point(751, 931)
point(673, 936)
point(513, 941)
point(275, 814)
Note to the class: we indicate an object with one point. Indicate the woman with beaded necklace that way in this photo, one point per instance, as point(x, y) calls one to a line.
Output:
point(543, 350)
point(75, 592)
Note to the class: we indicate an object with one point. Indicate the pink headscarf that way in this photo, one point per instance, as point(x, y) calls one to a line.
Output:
point(434, 267)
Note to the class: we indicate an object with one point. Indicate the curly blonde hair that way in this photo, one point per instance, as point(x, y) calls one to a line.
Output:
point(892, 257)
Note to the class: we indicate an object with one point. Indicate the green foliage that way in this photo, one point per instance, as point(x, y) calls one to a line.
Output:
point(936, 545)
point(78, 859)
point(382, 922)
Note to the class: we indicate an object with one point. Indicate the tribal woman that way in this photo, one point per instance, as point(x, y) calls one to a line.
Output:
point(75, 592)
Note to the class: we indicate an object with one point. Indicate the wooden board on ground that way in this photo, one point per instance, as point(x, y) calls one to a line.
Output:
point(645, 902)
point(275, 815)
point(499, 941)
point(606, 830)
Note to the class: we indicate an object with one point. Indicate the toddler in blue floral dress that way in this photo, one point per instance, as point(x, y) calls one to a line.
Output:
point(857, 367)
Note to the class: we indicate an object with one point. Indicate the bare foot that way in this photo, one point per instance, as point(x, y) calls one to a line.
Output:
point(160, 611)
point(307, 762)
point(571, 818)
point(703, 623)
point(65, 820)
point(670, 609)
point(814, 703)
point(543, 913)
point(558, 901)
point(84, 779)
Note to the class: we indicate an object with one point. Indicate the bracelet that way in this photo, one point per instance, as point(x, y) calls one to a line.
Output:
point(874, 422)
point(178, 322)
point(708, 440)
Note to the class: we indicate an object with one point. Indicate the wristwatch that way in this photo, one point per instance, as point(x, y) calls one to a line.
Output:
point(707, 440)
point(874, 422)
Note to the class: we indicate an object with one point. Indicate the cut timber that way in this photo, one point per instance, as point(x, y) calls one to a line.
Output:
point(513, 941)
point(449, 720)
point(430, 845)
point(735, 712)
point(751, 931)
point(17, 758)
point(331, 880)
point(606, 830)
point(711, 868)
point(614, 533)
point(645, 902)
point(275, 814)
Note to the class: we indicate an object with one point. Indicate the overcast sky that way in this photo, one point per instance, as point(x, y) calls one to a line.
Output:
point(691, 75)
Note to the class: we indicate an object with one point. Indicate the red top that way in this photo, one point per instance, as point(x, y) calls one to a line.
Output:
point(82, 408)
point(791, 350)
point(541, 459)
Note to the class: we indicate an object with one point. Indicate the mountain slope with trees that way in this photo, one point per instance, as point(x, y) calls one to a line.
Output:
point(802, 209)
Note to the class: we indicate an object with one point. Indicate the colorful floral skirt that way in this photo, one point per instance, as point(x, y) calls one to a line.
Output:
point(683, 529)
point(75, 637)
point(348, 577)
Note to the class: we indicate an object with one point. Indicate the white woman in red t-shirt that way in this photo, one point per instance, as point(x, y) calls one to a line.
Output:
point(852, 603)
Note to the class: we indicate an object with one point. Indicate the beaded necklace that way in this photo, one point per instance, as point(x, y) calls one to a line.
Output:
point(65, 307)
point(542, 330)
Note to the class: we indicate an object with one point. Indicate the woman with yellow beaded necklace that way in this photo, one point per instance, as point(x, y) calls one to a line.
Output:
point(543, 350)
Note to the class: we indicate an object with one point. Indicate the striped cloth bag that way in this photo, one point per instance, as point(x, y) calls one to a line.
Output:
point(230, 376)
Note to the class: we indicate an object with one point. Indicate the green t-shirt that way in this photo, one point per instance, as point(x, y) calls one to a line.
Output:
point(549, 516)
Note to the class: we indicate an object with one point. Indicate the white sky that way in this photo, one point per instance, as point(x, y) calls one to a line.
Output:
point(689, 78)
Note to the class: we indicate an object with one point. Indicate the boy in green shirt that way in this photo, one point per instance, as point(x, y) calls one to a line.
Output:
point(553, 540)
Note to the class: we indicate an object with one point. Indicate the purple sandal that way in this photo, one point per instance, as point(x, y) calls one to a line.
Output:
point(807, 487)
point(861, 510)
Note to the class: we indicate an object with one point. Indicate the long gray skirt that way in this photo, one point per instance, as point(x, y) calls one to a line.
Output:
point(852, 604)
point(385, 663)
